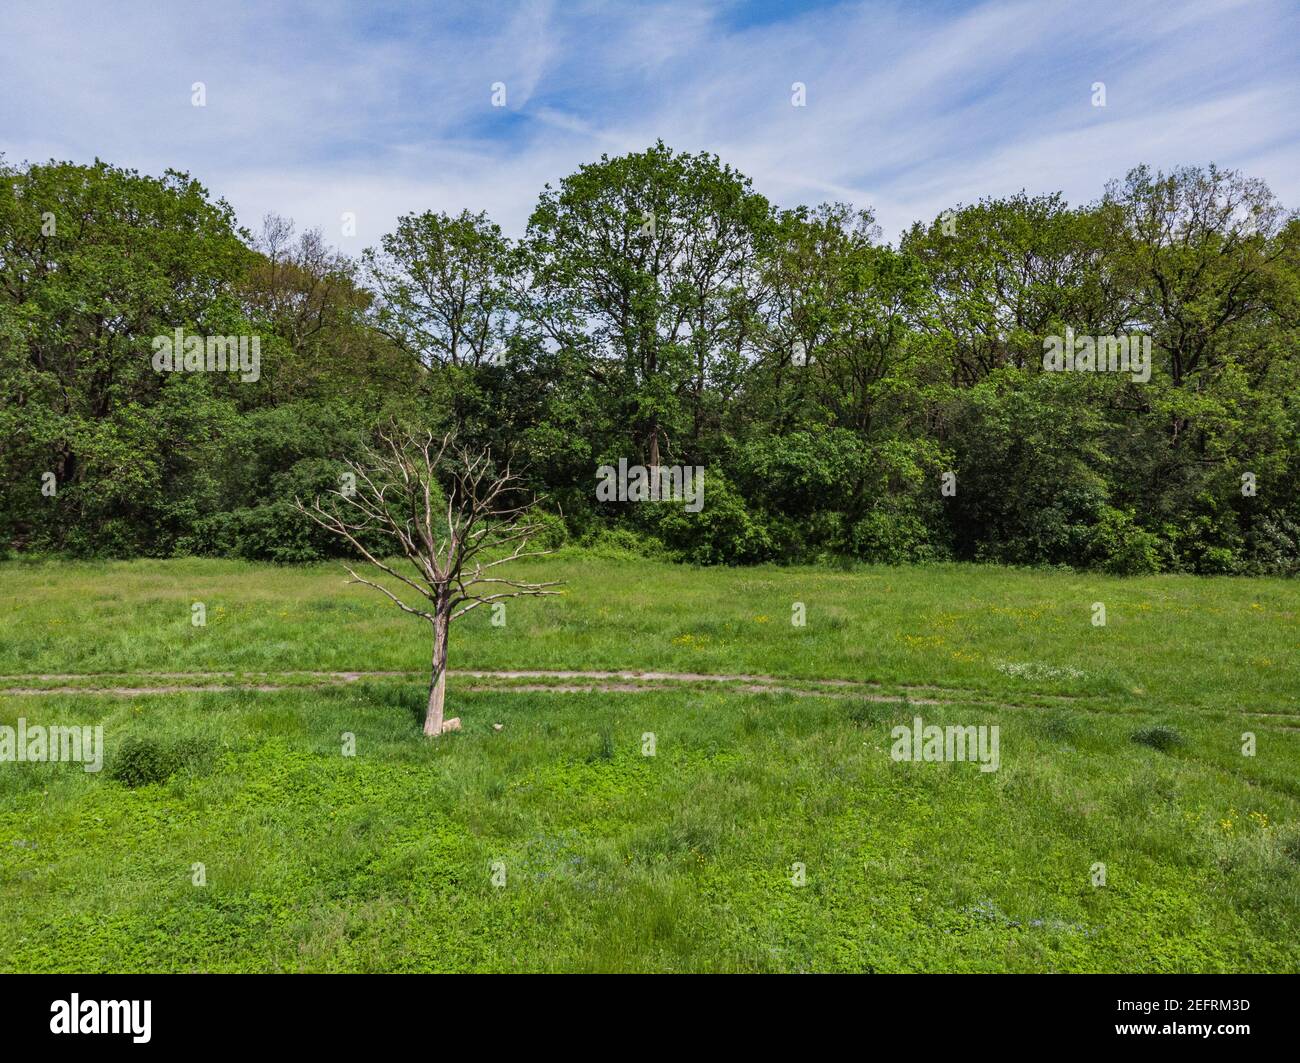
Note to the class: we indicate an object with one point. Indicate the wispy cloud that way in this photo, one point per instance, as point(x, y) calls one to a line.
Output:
point(318, 109)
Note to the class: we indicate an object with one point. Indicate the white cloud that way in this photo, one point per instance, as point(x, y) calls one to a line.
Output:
point(318, 109)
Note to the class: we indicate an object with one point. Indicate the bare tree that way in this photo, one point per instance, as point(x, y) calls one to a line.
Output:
point(456, 546)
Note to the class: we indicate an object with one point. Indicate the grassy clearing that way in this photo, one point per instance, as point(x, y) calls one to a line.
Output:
point(681, 861)
point(1169, 640)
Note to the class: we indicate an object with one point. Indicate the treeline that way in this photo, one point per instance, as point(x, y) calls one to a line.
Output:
point(847, 398)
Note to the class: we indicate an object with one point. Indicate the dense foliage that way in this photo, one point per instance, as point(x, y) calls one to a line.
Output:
point(846, 398)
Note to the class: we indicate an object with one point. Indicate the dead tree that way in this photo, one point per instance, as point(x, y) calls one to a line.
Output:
point(399, 489)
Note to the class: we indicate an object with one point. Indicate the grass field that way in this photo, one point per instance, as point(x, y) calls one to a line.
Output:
point(608, 859)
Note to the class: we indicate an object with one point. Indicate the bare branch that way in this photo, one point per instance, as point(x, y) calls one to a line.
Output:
point(399, 488)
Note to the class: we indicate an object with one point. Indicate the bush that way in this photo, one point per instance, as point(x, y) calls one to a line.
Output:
point(891, 538)
point(1209, 543)
point(551, 534)
point(275, 532)
point(142, 760)
point(1122, 548)
point(803, 472)
point(1274, 545)
point(1030, 461)
point(621, 543)
point(1161, 737)
point(724, 532)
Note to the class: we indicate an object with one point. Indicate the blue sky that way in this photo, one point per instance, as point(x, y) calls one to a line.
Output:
point(382, 108)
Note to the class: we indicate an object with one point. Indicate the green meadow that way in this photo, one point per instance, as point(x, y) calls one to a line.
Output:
point(267, 802)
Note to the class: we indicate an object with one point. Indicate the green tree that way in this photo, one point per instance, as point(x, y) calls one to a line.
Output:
point(648, 264)
point(443, 286)
point(1005, 272)
point(1200, 250)
point(95, 261)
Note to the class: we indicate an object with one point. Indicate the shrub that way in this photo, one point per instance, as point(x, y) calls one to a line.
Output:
point(552, 533)
point(891, 538)
point(142, 761)
point(724, 532)
point(275, 532)
point(1274, 543)
point(1209, 543)
point(1030, 455)
point(621, 543)
point(802, 472)
point(1161, 737)
point(1123, 548)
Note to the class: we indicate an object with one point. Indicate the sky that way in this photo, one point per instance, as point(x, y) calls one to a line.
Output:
point(318, 110)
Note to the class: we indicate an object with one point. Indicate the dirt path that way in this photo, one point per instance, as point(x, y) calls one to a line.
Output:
point(628, 681)
point(559, 681)
point(549, 681)
point(565, 681)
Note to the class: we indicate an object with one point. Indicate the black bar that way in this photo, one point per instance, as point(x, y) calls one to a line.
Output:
point(602, 1013)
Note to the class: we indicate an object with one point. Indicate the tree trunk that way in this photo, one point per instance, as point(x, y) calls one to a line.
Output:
point(438, 680)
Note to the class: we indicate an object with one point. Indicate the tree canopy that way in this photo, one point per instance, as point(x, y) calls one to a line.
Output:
point(847, 397)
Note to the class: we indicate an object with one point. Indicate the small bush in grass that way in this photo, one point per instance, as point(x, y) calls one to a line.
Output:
point(1161, 737)
point(141, 761)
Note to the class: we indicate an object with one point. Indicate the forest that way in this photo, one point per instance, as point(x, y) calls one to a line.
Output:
point(846, 398)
